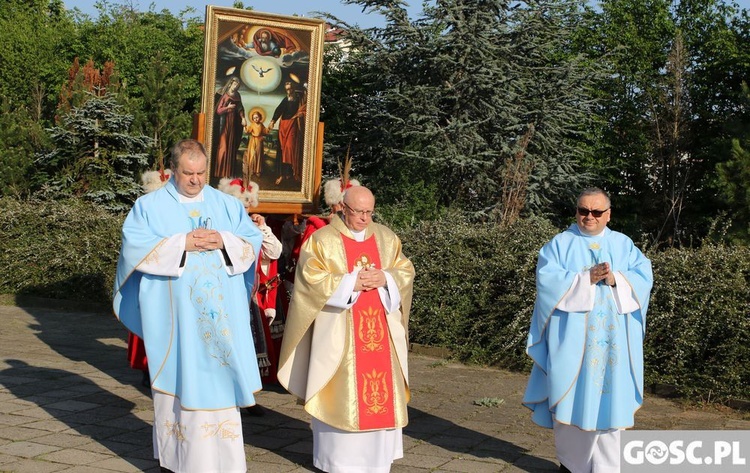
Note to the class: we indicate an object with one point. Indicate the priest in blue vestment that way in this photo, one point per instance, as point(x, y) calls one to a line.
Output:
point(183, 284)
point(586, 338)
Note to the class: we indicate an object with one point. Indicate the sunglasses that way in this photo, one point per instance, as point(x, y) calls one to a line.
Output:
point(585, 212)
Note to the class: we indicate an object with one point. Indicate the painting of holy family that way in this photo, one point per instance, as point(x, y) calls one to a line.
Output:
point(261, 102)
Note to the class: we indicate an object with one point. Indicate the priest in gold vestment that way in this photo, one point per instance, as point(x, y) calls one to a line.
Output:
point(344, 352)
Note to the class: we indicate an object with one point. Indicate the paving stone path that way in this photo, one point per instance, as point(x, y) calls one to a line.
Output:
point(68, 402)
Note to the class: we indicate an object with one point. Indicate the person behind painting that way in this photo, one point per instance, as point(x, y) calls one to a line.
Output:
point(290, 114)
point(183, 280)
point(345, 345)
point(263, 300)
point(586, 337)
point(333, 195)
point(253, 158)
point(230, 117)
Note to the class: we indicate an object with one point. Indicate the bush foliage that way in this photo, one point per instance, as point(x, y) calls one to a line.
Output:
point(474, 288)
point(58, 249)
point(698, 327)
point(473, 294)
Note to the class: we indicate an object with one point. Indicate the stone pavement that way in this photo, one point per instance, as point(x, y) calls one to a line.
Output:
point(68, 402)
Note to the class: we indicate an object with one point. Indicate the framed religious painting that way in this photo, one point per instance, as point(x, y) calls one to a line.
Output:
point(261, 103)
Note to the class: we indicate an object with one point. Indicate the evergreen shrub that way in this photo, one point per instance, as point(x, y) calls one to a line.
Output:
point(64, 249)
point(698, 325)
point(474, 288)
point(473, 294)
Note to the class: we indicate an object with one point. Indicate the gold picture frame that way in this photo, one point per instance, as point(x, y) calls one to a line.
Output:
point(261, 105)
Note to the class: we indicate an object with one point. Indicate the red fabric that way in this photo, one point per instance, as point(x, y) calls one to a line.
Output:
point(268, 286)
point(272, 352)
point(266, 299)
point(137, 353)
point(312, 224)
point(372, 350)
point(238, 182)
point(289, 140)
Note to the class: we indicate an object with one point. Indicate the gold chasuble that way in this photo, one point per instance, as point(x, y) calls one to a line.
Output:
point(349, 366)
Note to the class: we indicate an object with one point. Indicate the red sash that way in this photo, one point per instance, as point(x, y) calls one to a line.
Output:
point(372, 350)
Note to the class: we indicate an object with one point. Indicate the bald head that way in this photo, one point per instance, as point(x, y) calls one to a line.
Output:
point(355, 193)
point(359, 204)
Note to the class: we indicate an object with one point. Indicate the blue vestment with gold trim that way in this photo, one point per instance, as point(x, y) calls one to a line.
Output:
point(588, 366)
point(196, 327)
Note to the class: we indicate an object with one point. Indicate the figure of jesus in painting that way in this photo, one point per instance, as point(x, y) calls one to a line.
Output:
point(252, 161)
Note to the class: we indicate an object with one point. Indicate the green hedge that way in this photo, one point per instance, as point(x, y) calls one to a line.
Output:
point(474, 289)
point(58, 249)
point(698, 326)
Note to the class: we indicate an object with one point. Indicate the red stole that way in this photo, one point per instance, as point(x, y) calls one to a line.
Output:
point(372, 350)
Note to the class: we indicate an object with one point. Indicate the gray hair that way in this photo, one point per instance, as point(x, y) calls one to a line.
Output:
point(593, 191)
point(190, 149)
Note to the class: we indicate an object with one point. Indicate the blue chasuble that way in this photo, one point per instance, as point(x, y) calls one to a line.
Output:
point(588, 366)
point(196, 327)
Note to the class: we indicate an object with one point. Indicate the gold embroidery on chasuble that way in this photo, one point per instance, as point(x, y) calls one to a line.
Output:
point(371, 329)
point(375, 392)
point(344, 399)
point(372, 354)
point(247, 251)
point(206, 293)
point(153, 256)
point(602, 349)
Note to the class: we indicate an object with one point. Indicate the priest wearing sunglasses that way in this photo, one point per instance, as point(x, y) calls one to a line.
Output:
point(586, 338)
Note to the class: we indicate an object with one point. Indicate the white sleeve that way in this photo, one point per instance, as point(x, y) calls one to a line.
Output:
point(623, 295)
point(389, 295)
point(240, 253)
point(580, 296)
point(271, 245)
point(345, 296)
point(166, 258)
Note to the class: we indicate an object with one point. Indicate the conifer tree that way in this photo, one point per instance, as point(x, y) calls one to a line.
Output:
point(450, 100)
point(94, 155)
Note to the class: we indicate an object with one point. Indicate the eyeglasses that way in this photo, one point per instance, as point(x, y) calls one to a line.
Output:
point(360, 213)
point(585, 212)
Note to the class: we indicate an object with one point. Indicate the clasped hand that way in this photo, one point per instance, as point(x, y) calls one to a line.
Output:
point(602, 272)
point(202, 239)
point(369, 279)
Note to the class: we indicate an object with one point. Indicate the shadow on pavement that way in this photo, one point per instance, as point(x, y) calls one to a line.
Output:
point(452, 437)
point(278, 434)
point(87, 400)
